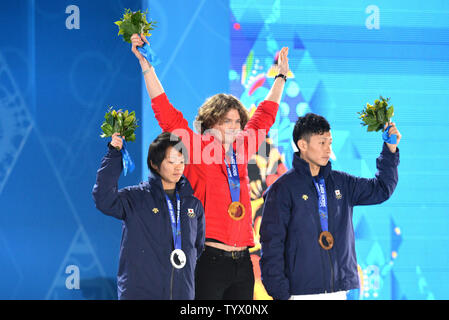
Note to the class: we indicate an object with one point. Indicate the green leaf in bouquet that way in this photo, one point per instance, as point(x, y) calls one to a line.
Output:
point(370, 120)
point(390, 112)
point(132, 137)
point(123, 122)
point(116, 127)
point(380, 127)
point(370, 109)
point(381, 116)
point(109, 119)
point(107, 129)
point(129, 132)
point(129, 120)
point(120, 125)
point(134, 22)
point(375, 116)
point(372, 127)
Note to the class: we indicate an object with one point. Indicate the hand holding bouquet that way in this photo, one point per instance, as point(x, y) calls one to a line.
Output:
point(376, 116)
point(136, 23)
point(123, 124)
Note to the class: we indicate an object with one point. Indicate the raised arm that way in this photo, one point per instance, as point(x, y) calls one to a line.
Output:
point(380, 188)
point(154, 86)
point(275, 93)
point(169, 118)
point(105, 191)
point(265, 115)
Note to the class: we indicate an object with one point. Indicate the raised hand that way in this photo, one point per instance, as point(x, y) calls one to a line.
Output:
point(393, 130)
point(137, 41)
point(117, 141)
point(283, 61)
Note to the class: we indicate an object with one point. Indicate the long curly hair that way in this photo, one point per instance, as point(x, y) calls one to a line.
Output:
point(214, 110)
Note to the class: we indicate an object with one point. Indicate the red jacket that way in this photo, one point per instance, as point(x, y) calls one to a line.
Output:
point(206, 170)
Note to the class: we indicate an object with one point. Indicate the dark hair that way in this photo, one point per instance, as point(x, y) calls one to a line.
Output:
point(308, 125)
point(159, 146)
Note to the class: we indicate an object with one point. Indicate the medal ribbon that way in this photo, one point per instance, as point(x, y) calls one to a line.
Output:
point(233, 177)
point(387, 138)
point(128, 163)
point(149, 54)
point(175, 222)
point(322, 203)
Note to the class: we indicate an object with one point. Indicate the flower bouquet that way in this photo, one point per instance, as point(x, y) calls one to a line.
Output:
point(136, 22)
point(375, 117)
point(125, 123)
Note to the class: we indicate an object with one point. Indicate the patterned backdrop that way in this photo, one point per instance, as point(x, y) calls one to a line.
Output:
point(62, 65)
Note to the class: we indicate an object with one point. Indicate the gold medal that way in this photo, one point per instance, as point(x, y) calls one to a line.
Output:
point(328, 238)
point(236, 210)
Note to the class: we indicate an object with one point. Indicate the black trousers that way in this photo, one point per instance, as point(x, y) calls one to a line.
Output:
point(220, 275)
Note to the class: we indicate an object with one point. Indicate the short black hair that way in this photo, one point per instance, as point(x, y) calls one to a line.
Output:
point(159, 146)
point(308, 125)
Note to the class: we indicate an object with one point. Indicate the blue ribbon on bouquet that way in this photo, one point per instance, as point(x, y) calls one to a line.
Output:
point(389, 139)
point(128, 163)
point(149, 54)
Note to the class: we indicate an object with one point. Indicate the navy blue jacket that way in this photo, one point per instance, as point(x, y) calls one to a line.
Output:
point(145, 271)
point(292, 261)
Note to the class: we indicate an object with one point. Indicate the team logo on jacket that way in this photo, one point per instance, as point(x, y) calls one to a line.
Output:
point(305, 197)
point(191, 213)
point(338, 194)
point(155, 210)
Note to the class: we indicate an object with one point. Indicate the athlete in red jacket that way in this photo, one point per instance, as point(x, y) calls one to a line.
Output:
point(217, 171)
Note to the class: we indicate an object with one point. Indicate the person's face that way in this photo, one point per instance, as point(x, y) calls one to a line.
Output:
point(229, 126)
point(318, 149)
point(171, 168)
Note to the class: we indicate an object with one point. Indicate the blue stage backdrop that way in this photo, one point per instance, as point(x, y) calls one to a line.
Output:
point(62, 64)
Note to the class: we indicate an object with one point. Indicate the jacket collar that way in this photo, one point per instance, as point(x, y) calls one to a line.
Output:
point(303, 168)
point(183, 185)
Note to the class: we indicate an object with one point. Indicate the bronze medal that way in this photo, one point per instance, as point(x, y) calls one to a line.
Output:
point(236, 210)
point(328, 242)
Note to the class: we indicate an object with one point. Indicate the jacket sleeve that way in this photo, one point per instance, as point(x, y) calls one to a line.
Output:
point(273, 233)
point(172, 120)
point(201, 230)
point(257, 128)
point(378, 189)
point(105, 192)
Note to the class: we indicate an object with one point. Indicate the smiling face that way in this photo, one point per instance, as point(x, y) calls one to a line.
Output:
point(171, 168)
point(317, 150)
point(228, 127)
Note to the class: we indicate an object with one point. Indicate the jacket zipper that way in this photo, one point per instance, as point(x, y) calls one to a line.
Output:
point(171, 283)
point(331, 268)
point(332, 271)
point(173, 268)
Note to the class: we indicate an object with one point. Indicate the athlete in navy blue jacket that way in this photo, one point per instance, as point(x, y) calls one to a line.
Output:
point(307, 236)
point(149, 266)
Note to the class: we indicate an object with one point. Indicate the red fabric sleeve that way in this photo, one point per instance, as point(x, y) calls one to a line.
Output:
point(172, 120)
